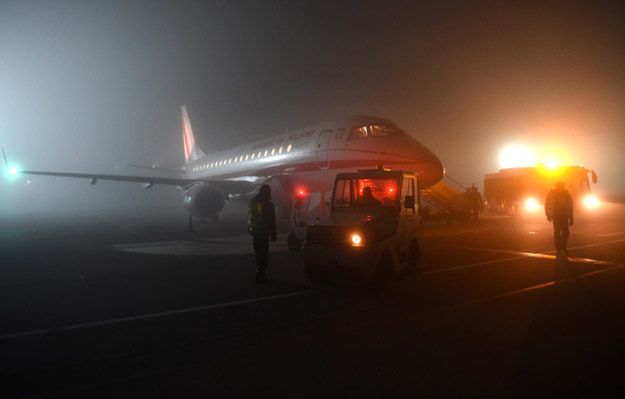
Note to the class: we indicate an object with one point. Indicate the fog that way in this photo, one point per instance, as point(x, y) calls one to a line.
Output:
point(94, 86)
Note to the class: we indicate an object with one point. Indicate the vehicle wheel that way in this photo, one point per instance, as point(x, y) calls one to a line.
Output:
point(413, 255)
point(294, 243)
point(384, 270)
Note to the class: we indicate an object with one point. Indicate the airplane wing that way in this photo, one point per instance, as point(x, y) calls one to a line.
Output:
point(226, 186)
point(153, 167)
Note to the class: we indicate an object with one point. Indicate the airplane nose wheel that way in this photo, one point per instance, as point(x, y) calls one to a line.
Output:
point(190, 225)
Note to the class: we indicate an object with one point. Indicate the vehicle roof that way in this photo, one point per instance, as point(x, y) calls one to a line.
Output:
point(375, 173)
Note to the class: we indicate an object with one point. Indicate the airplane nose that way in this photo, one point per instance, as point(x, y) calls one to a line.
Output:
point(430, 168)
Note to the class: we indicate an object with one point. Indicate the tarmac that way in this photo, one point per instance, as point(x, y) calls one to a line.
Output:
point(112, 306)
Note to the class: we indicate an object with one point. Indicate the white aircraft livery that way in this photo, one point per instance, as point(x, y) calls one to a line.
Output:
point(307, 159)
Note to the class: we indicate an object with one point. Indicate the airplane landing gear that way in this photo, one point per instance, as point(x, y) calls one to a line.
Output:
point(190, 225)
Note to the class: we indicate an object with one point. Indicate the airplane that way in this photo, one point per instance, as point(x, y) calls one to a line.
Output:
point(307, 160)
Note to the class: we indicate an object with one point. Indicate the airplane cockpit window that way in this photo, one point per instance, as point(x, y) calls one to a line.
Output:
point(362, 132)
point(383, 130)
point(359, 132)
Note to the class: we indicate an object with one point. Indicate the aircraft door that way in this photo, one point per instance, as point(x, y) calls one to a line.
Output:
point(323, 145)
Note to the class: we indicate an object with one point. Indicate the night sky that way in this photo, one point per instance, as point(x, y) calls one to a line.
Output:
point(93, 86)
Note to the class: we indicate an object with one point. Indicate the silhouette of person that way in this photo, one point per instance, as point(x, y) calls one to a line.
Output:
point(559, 210)
point(475, 201)
point(367, 198)
point(261, 222)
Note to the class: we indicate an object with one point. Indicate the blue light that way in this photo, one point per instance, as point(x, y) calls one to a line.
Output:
point(11, 172)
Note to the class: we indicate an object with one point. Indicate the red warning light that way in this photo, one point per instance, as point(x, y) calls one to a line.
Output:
point(300, 192)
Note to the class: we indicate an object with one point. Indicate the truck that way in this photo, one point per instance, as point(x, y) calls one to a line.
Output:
point(518, 191)
point(364, 239)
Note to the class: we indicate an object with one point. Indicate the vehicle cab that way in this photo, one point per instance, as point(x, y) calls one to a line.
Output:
point(372, 230)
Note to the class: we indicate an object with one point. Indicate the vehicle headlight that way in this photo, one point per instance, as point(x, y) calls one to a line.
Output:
point(356, 240)
point(591, 202)
point(532, 205)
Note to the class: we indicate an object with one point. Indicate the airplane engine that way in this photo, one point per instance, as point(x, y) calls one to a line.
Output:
point(203, 202)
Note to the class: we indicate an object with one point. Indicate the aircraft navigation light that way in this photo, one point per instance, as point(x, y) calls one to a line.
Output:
point(11, 172)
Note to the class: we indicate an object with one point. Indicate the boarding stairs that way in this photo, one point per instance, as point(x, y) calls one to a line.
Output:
point(445, 200)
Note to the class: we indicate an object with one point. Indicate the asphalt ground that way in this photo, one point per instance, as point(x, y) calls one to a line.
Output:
point(134, 306)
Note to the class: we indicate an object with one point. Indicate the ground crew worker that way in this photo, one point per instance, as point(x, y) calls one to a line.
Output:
point(367, 198)
point(261, 222)
point(559, 209)
point(476, 203)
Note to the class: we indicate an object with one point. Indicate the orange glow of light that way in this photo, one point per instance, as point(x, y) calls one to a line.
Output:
point(548, 157)
point(515, 155)
point(356, 240)
point(532, 205)
point(591, 202)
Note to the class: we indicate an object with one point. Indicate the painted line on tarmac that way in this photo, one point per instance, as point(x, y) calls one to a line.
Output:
point(156, 315)
point(620, 233)
point(234, 245)
point(522, 255)
point(471, 265)
point(542, 286)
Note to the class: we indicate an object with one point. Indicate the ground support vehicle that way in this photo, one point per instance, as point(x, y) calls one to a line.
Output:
point(523, 190)
point(366, 241)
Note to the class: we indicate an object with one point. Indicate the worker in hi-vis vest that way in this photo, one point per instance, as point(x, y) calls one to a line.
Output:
point(261, 222)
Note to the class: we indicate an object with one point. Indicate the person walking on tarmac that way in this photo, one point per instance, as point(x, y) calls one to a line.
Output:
point(475, 202)
point(559, 209)
point(261, 222)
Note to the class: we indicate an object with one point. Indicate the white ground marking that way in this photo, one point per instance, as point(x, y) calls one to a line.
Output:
point(521, 255)
point(541, 286)
point(156, 315)
point(234, 245)
point(620, 233)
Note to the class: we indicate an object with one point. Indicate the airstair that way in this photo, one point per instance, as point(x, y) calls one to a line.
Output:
point(445, 200)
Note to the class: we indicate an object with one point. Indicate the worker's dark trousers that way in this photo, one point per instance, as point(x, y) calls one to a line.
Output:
point(261, 250)
point(561, 232)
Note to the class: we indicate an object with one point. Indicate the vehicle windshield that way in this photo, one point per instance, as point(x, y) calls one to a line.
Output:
point(365, 193)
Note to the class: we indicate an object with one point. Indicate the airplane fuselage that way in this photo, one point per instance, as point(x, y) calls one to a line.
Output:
point(313, 155)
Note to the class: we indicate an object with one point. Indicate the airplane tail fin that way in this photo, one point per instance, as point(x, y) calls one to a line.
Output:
point(191, 151)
